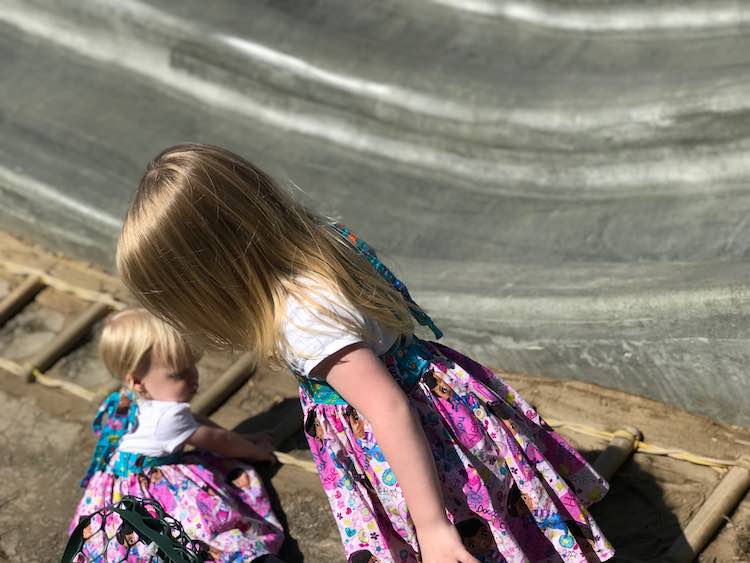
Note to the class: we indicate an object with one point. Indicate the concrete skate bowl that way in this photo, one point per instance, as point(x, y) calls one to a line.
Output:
point(563, 184)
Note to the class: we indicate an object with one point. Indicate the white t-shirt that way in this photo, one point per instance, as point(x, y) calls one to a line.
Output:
point(163, 427)
point(312, 337)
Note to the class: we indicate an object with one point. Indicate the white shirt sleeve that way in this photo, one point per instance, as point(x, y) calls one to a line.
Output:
point(175, 425)
point(311, 336)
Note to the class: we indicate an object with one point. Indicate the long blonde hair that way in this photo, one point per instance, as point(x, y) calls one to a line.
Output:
point(214, 246)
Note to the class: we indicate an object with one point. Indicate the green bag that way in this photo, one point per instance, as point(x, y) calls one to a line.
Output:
point(132, 526)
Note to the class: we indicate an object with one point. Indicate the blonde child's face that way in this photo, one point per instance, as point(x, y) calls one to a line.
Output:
point(162, 382)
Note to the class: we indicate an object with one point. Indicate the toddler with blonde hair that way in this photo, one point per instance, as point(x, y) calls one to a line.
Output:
point(142, 431)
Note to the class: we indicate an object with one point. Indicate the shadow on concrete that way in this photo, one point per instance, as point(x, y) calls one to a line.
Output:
point(284, 422)
point(634, 515)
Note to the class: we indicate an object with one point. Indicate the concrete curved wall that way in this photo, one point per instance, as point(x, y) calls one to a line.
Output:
point(564, 184)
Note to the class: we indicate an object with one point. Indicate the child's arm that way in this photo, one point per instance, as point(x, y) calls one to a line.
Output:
point(200, 419)
point(229, 444)
point(362, 380)
point(264, 438)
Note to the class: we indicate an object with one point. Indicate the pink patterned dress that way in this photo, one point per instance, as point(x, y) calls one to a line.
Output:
point(218, 501)
point(515, 489)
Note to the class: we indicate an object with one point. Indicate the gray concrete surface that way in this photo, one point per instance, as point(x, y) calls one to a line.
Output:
point(564, 184)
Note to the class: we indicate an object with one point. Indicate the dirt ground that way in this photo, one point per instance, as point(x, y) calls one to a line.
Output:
point(46, 441)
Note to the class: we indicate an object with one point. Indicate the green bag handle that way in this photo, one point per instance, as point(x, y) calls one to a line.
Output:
point(156, 530)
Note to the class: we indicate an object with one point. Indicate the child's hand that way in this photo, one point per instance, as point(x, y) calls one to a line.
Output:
point(263, 443)
point(263, 451)
point(441, 543)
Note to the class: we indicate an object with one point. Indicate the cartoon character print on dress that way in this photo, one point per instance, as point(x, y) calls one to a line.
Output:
point(329, 476)
point(353, 481)
point(366, 442)
point(463, 432)
point(144, 483)
point(246, 526)
point(93, 538)
point(456, 406)
point(543, 511)
point(355, 422)
point(570, 533)
point(214, 553)
point(371, 469)
point(209, 551)
point(363, 556)
point(239, 478)
point(162, 490)
point(476, 536)
point(87, 532)
point(313, 427)
point(571, 516)
point(438, 386)
point(584, 533)
point(477, 494)
point(590, 486)
point(127, 536)
point(213, 507)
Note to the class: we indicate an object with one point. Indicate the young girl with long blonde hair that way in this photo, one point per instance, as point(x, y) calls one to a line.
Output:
point(219, 500)
point(423, 453)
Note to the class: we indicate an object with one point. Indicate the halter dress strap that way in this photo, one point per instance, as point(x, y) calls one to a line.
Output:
point(117, 416)
point(121, 411)
point(368, 252)
point(405, 352)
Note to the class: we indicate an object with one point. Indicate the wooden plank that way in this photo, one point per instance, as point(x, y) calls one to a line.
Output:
point(619, 449)
point(701, 529)
point(20, 297)
point(238, 373)
point(64, 341)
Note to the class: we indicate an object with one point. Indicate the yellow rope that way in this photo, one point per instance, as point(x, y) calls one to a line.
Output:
point(287, 459)
point(46, 380)
point(646, 448)
point(62, 285)
point(72, 388)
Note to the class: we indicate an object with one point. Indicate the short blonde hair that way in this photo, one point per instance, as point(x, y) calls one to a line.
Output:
point(131, 338)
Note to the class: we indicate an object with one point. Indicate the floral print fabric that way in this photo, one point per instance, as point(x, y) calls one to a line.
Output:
point(516, 490)
point(219, 501)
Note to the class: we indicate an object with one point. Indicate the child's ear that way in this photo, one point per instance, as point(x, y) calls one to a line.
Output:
point(133, 383)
